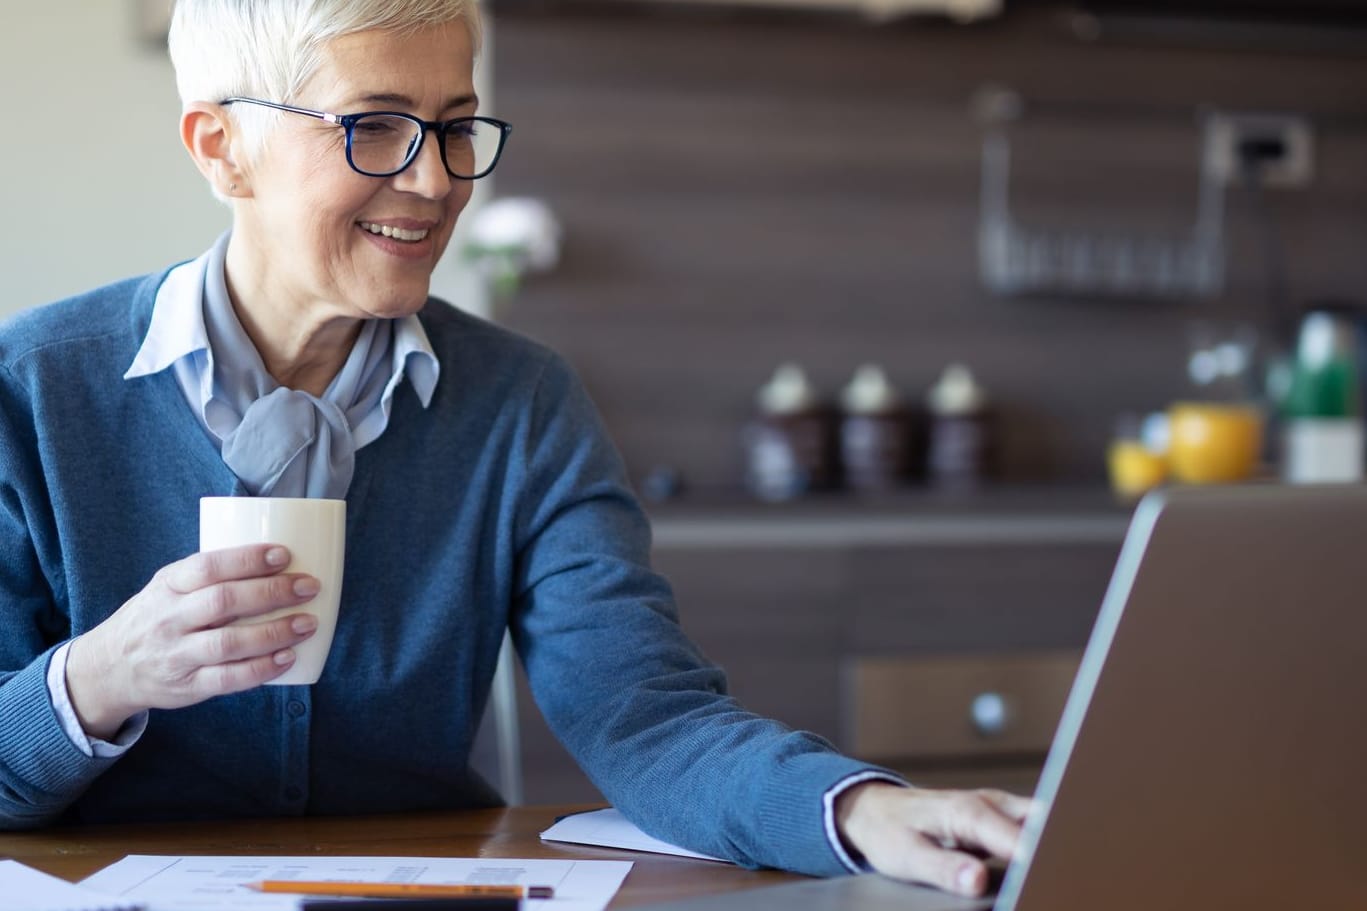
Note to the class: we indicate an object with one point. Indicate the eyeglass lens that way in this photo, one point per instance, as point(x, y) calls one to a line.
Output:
point(383, 143)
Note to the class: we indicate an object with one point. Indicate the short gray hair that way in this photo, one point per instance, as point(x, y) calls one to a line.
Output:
point(270, 48)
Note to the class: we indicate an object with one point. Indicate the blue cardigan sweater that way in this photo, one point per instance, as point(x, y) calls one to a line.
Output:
point(503, 505)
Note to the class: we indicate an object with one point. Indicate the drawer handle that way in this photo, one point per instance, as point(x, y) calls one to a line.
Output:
point(990, 714)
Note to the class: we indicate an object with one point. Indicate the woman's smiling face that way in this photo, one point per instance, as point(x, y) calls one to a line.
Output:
point(322, 241)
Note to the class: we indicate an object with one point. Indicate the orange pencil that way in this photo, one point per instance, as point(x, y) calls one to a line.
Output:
point(401, 890)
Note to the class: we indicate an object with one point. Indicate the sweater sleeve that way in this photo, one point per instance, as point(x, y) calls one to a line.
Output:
point(41, 771)
point(642, 711)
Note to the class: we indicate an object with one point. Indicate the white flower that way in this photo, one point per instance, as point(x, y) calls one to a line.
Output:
point(520, 232)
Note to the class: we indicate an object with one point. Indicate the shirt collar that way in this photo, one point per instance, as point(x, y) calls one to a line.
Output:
point(414, 358)
point(176, 329)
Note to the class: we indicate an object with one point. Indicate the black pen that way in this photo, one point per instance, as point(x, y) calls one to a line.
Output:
point(464, 903)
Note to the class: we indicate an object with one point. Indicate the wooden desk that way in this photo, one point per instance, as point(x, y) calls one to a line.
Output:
point(74, 853)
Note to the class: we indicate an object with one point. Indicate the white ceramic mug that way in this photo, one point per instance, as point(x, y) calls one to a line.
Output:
point(314, 530)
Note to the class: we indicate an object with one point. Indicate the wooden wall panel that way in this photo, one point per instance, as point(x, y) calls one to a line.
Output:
point(741, 191)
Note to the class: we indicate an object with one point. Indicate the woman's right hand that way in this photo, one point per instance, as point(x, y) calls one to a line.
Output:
point(171, 645)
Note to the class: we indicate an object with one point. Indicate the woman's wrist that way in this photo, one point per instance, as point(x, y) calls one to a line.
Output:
point(89, 690)
point(850, 822)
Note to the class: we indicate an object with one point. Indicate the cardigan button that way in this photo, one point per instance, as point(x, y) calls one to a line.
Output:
point(295, 708)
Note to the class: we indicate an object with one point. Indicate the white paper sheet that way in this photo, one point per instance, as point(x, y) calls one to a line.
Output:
point(176, 883)
point(610, 829)
point(39, 891)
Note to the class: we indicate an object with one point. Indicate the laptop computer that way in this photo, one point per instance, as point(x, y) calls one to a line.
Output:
point(1213, 750)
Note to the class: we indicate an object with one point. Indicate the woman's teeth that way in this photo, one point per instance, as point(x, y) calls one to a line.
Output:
point(402, 234)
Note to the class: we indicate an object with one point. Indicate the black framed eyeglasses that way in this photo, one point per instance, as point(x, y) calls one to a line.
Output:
point(383, 143)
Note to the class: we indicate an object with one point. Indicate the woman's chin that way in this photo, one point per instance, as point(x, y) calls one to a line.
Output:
point(395, 300)
point(397, 308)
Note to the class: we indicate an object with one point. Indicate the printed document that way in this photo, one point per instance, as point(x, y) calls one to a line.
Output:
point(171, 883)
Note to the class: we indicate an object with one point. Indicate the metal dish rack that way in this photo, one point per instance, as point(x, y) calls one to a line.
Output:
point(1019, 259)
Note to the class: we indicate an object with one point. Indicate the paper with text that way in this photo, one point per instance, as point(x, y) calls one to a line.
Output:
point(189, 883)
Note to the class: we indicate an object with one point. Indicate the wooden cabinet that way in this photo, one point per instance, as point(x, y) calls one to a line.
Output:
point(963, 720)
point(881, 632)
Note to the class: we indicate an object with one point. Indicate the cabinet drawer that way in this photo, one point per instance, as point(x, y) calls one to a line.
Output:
point(949, 707)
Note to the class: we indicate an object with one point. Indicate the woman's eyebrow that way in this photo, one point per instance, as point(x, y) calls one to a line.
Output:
point(398, 100)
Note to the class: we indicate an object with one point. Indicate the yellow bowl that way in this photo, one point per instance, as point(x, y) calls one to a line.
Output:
point(1214, 442)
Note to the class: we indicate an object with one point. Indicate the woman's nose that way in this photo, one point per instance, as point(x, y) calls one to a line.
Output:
point(426, 174)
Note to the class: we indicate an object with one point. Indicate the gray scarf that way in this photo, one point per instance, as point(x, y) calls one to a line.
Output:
point(283, 442)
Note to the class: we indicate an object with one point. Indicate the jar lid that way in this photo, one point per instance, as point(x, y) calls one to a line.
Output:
point(787, 391)
point(869, 391)
point(956, 392)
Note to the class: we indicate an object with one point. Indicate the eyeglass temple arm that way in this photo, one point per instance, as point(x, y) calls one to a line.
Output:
point(289, 108)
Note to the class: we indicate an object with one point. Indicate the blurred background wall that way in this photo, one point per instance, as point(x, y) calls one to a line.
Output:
point(740, 190)
point(95, 184)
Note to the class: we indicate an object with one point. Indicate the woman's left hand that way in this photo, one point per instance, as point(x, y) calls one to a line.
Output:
point(929, 836)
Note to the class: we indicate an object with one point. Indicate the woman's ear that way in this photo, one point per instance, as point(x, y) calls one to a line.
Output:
point(207, 133)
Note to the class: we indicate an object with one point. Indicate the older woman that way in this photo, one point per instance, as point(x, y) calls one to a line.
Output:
point(302, 356)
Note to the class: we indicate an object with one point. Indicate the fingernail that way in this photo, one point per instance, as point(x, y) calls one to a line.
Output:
point(283, 657)
point(277, 556)
point(304, 623)
point(968, 878)
point(306, 587)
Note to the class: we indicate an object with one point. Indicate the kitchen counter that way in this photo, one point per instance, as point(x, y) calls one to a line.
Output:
point(1038, 514)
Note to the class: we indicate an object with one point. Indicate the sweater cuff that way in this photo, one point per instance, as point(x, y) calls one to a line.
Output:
point(798, 810)
point(45, 770)
point(854, 861)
